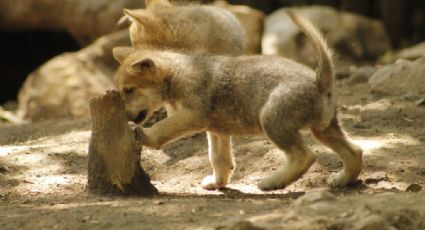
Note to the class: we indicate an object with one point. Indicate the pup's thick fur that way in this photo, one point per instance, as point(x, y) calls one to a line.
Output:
point(238, 96)
point(187, 28)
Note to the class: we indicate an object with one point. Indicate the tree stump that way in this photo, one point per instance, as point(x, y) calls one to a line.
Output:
point(114, 151)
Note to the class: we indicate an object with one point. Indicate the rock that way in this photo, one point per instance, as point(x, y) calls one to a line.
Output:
point(351, 36)
point(414, 188)
point(3, 169)
point(362, 217)
point(400, 78)
point(244, 225)
point(361, 126)
point(420, 102)
point(84, 20)
point(376, 177)
point(63, 86)
point(412, 97)
point(413, 52)
point(371, 222)
point(410, 53)
point(252, 21)
point(361, 74)
point(313, 197)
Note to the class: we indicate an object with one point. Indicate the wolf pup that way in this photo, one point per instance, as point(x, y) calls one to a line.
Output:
point(240, 95)
point(188, 28)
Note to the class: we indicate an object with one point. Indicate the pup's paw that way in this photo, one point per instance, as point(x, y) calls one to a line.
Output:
point(270, 183)
point(339, 180)
point(138, 131)
point(209, 183)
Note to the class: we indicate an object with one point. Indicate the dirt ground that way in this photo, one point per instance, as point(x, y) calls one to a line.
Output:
point(43, 178)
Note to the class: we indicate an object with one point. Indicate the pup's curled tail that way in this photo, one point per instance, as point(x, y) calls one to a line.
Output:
point(325, 71)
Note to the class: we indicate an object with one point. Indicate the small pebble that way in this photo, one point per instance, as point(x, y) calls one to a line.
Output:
point(420, 102)
point(414, 188)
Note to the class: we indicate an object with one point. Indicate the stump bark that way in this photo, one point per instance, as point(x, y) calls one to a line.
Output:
point(114, 152)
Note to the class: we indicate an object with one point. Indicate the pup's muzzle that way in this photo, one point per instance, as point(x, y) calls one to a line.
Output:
point(141, 116)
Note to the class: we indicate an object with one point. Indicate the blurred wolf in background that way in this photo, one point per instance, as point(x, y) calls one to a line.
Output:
point(187, 27)
point(240, 96)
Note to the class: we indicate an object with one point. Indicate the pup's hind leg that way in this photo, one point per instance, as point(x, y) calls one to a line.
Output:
point(281, 118)
point(351, 154)
point(221, 159)
point(299, 159)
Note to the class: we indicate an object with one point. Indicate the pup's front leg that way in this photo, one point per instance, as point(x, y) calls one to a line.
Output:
point(221, 159)
point(181, 123)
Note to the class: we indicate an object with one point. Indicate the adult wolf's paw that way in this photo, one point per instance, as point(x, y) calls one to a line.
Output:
point(209, 183)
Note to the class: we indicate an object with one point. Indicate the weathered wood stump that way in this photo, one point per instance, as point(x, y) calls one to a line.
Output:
point(114, 152)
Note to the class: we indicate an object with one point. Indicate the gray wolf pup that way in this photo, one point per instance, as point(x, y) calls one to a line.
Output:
point(188, 28)
point(241, 95)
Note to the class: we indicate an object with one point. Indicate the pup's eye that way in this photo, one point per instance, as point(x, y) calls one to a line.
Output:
point(128, 91)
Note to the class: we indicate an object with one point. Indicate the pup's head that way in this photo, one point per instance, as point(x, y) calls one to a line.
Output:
point(146, 26)
point(140, 81)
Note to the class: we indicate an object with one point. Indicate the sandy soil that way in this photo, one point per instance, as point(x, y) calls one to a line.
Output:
point(43, 178)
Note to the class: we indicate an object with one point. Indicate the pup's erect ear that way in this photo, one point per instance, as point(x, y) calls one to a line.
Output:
point(139, 16)
point(123, 21)
point(163, 3)
point(121, 53)
point(143, 65)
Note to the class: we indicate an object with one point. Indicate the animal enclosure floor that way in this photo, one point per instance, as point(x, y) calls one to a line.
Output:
point(43, 169)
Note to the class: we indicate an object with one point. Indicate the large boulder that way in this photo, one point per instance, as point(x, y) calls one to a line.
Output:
point(63, 86)
point(401, 78)
point(84, 20)
point(353, 37)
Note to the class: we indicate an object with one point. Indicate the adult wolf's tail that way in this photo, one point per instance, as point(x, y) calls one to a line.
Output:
point(325, 72)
